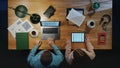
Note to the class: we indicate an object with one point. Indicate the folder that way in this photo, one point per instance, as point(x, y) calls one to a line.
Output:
point(22, 40)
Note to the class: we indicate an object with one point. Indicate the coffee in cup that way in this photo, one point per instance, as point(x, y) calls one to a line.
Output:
point(33, 33)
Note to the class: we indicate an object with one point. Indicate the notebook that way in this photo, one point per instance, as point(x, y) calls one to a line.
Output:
point(22, 40)
point(50, 29)
point(75, 17)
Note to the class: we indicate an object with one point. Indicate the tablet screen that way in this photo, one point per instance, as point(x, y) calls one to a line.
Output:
point(78, 37)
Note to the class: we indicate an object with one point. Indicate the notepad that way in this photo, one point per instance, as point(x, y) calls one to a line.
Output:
point(22, 40)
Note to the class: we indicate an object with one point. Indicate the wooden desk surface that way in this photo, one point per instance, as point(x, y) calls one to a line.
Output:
point(39, 6)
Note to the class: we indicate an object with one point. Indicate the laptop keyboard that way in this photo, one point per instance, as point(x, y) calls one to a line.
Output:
point(50, 30)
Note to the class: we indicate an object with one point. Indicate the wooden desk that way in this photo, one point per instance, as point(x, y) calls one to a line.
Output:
point(39, 6)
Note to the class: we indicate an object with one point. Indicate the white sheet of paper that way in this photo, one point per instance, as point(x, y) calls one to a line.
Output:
point(26, 26)
point(14, 27)
point(104, 4)
point(20, 26)
point(75, 17)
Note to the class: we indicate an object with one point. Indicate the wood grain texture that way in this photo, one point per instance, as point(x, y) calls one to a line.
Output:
point(39, 6)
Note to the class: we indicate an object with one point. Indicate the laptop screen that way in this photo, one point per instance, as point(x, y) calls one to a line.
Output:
point(49, 23)
point(78, 37)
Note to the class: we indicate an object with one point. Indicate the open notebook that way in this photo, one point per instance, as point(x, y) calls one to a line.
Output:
point(75, 17)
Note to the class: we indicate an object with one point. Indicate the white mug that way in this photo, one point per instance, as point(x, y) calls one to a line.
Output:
point(91, 23)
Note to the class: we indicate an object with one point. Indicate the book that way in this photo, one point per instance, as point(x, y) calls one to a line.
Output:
point(22, 40)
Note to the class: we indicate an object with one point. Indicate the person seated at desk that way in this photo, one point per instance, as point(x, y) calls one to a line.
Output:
point(80, 55)
point(45, 58)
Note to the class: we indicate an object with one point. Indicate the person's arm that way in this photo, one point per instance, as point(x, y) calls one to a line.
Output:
point(32, 53)
point(59, 55)
point(56, 50)
point(89, 45)
point(51, 42)
point(90, 48)
point(68, 53)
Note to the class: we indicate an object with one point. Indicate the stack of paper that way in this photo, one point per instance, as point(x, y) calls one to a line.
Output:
point(75, 17)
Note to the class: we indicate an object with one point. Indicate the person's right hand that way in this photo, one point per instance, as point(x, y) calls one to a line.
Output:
point(50, 41)
point(68, 42)
point(38, 43)
point(87, 40)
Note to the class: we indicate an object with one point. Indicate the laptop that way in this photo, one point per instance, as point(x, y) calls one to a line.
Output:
point(50, 29)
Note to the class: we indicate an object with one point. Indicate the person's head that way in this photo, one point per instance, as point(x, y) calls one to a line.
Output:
point(80, 57)
point(46, 58)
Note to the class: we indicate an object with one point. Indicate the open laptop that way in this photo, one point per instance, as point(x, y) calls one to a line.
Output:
point(50, 29)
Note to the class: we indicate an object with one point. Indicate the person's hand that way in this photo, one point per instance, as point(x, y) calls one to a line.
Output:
point(87, 39)
point(50, 41)
point(38, 43)
point(88, 44)
point(68, 42)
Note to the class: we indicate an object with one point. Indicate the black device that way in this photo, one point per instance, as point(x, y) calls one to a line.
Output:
point(49, 12)
point(81, 10)
point(78, 37)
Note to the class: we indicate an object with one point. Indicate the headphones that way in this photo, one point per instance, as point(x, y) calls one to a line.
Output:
point(105, 18)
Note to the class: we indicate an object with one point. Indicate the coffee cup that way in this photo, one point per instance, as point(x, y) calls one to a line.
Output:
point(34, 33)
point(91, 24)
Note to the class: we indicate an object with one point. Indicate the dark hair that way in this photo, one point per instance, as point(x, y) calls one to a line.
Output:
point(80, 57)
point(46, 58)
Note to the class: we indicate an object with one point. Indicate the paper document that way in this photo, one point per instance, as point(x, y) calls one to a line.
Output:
point(20, 26)
point(75, 17)
point(104, 4)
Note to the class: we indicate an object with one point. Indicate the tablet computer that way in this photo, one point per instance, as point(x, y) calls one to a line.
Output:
point(78, 37)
